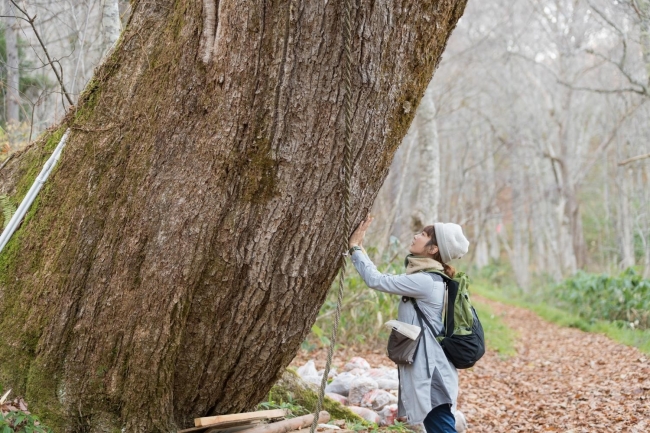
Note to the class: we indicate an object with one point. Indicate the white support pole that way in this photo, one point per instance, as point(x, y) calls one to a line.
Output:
point(15, 220)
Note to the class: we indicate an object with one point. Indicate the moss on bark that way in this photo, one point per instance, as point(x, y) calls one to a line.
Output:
point(291, 387)
point(183, 247)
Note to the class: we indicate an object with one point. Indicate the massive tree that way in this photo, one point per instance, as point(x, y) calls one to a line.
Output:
point(177, 257)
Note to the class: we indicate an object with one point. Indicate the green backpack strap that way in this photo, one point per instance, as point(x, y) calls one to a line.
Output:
point(448, 313)
point(457, 317)
point(463, 317)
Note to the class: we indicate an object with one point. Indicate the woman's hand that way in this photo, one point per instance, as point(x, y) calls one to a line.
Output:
point(357, 237)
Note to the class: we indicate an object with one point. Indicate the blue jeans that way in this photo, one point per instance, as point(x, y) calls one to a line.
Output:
point(440, 420)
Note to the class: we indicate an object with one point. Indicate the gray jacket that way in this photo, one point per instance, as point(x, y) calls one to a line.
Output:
point(418, 393)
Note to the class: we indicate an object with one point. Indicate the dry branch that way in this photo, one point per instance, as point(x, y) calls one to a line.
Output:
point(634, 158)
point(290, 424)
point(31, 20)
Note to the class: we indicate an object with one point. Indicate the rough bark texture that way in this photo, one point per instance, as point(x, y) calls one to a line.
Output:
point(179, 254)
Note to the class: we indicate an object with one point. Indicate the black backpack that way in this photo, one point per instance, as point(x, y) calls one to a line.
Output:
point(461, 337)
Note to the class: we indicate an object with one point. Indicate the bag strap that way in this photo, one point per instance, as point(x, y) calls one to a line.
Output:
point(424, 341)
point(451, 292)
point(422, 317)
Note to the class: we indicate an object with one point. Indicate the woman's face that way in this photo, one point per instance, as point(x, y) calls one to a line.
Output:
point(418, 246)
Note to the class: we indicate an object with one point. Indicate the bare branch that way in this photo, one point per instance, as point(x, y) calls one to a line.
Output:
point(10, 16)
point(607, 20)
point(634, 158)
point(636, 8)
point(11, 155)
point(604, 91)
point(642, 91)
point(621, 68)
point(605, 144)
point(31, 20)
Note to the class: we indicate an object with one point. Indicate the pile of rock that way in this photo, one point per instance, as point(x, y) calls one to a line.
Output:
point(369, 392)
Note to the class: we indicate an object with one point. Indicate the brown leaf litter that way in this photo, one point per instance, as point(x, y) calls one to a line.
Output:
point(560, 380)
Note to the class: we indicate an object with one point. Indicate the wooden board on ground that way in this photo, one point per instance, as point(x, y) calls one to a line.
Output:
point(289, 425)
point(227, 427)
point(212, 421)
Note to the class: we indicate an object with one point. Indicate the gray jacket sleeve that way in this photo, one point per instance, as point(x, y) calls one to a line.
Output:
point(414, 286)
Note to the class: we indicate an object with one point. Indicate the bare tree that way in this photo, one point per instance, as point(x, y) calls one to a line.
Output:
point(12, 92)
point(425, 209)
point(111, 23)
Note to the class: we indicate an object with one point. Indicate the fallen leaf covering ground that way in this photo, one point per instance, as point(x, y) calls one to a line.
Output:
point(560, 380)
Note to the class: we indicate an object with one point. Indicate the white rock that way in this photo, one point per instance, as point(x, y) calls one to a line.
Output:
point(365, 413)
point(357, 362)
point(360, 387)
point(337, 397)
point(388, 384)
point(315, 379)
point(388, 415)
point(383, 373)
point(461, 422)
point(332, 374)
point(377, 399)
point(341, 384)
point(309, 369)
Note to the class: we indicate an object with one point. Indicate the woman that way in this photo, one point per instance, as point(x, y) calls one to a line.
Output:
point(427, 393)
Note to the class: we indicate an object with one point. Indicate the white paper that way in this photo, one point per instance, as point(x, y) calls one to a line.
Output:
point(406, 329)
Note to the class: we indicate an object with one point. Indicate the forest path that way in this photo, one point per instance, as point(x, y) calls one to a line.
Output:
point(561, 379)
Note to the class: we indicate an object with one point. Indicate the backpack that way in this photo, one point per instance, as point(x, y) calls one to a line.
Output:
point(461, 338)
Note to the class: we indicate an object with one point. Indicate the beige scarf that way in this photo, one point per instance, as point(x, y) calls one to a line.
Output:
point(418, 264)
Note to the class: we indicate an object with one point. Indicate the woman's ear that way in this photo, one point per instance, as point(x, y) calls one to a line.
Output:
point(433, 249)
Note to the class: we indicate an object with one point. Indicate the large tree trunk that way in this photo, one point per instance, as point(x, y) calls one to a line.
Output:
point(179, 254)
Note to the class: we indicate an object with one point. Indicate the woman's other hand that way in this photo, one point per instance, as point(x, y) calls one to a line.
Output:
point(357, 237)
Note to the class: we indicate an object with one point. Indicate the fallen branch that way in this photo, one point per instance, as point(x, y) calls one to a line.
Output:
point(6, 161)
point(290, 424)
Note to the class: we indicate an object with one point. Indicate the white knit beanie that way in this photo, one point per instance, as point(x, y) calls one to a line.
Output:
point(452, 243)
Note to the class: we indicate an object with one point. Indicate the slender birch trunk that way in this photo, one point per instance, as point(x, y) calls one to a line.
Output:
point(427, 173)
point(12, 93)
point(111, 23)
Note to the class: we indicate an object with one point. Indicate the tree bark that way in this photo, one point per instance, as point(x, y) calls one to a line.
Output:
point(179, 254)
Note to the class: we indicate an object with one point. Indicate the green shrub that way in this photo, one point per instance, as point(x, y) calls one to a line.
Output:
point(21, 422)
point(15, 420)
point(624, 298)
